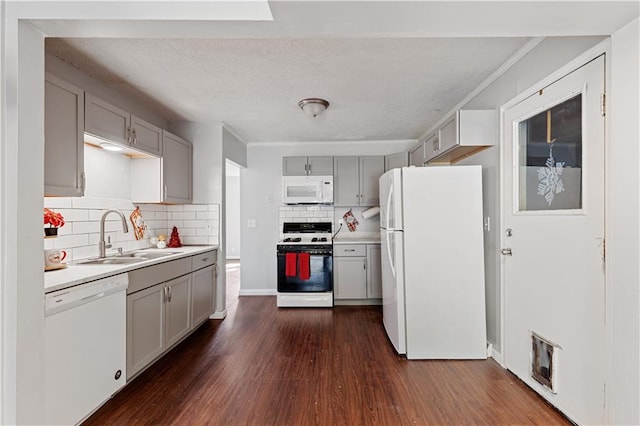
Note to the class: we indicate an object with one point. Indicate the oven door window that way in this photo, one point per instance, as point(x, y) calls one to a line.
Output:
point(320, 279)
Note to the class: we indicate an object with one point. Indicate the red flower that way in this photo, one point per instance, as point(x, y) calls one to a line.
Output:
point(53, 219)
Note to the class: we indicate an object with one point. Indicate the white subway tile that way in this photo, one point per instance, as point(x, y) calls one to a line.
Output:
point(57, 202)
point(204, 232)
point(187, 232)
point(85, 227)
point(85, 252)
point(72, 215)
point(175, 208)
point(196, 207)
point(207, 215)
point(48, 243)
point(214, 207)
point(182, 215)
point(195, 240)
point(171, 223)
point(162, 215)
point(70, 241)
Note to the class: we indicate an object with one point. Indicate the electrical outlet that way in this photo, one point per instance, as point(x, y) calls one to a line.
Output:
point(340, 221)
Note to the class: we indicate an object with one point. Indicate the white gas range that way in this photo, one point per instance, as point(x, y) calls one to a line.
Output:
point(305, 265)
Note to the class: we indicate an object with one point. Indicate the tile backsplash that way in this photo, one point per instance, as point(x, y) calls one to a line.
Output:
point(305, 214)
point(197, 224)
point(315, 213)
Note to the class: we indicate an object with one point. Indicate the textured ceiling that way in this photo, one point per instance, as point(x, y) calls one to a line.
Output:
point(391, 80)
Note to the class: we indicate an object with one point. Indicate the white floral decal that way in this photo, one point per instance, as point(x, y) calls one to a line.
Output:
point(549, 182)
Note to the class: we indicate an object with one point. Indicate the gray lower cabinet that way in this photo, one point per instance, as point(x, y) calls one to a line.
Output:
point(350, 278)
point(357, 276)
point(374, 272)
point(203, 284)
point(177, 309)
point(165, 302)
point(145, 327)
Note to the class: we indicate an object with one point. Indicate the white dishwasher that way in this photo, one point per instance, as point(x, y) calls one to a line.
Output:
point(85, 348)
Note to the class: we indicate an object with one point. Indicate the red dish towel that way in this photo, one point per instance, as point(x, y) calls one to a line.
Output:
point(290, 264)
point(303, 266)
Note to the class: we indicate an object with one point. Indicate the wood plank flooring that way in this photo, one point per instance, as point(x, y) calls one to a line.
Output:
point(268, 366)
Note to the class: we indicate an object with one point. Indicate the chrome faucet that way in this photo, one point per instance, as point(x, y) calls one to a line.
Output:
point(125, 228)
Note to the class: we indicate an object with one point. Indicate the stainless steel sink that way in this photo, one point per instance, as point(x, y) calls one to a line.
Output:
point(112, 261)
point(128, 258)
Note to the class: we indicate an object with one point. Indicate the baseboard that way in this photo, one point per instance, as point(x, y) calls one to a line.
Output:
point(233, 257)
point(257, 292)
point(495, 354)
point(218, 315)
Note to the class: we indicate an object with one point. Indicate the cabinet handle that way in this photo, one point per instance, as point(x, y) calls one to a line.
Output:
point(205, 259)
point(350, 250)
point(170, 293)
point(129, 135)
point(164, 194)
point(82, 182)
point(135, 137)
point(166, 294)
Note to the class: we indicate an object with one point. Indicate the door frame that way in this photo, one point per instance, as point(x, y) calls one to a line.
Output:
point(603, 47)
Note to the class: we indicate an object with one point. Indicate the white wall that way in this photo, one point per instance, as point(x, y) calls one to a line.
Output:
point(232, 214)
point(551, 54)
point(623, 227)
point(261, 198)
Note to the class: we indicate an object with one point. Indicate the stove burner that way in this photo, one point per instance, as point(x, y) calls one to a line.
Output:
point(292, 240)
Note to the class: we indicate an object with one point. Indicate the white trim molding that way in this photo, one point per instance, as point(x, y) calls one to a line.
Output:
point(258, 292)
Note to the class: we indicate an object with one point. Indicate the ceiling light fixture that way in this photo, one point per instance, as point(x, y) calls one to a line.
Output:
point(313, 106)
point(110, 147)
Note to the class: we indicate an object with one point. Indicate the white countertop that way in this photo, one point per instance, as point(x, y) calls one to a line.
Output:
point(357, 240)
point(76, 274)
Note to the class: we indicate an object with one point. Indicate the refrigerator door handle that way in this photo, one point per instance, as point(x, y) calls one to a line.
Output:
point(389, 207)
point(391, 263)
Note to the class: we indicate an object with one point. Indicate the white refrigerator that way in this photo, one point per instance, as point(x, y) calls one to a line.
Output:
point(431, 229)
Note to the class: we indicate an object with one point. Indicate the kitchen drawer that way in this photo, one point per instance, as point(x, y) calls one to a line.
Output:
point(349, 250)
point(142, 278)
point(203, 260)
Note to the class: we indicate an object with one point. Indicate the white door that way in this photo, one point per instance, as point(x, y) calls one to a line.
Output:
point(552, 243)
point(393, 304)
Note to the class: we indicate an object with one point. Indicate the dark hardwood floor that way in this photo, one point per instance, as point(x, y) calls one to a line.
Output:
point(268, 366)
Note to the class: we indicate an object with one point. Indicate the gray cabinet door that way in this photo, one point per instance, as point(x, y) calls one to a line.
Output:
point(145, 327)
point(349, 278)
point(417, 156)
point(106, 121)
point(202, 294)
point(371, 168)
point(346, 182)
point(176, 169)
point(63, 138)
point(320, 166)
point(374, 272)
point(448, 134)
point(294, 166)
point(396, 161)
point(177, 309)
point(146, 136)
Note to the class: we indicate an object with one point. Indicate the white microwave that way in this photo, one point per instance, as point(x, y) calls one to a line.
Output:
point(307, 189)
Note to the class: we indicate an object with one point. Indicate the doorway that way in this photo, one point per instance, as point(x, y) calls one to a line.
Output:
point(232, 232)
point(553, 242)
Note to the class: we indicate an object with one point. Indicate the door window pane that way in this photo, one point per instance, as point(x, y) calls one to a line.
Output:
point(550, 158)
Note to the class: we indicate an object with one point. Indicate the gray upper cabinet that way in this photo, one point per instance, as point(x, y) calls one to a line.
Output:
point(396, 161)
point(465, 133)
point(356, 180)
point(146, 136)
point(106, 121)
point(307, 166)
point(416, 155)
point(164, 180)
point(177, 165)
point(114, 124)
point(63, 139)
point(346, 182)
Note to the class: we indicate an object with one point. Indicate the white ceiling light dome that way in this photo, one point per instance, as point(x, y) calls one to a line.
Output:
point(313, 106)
